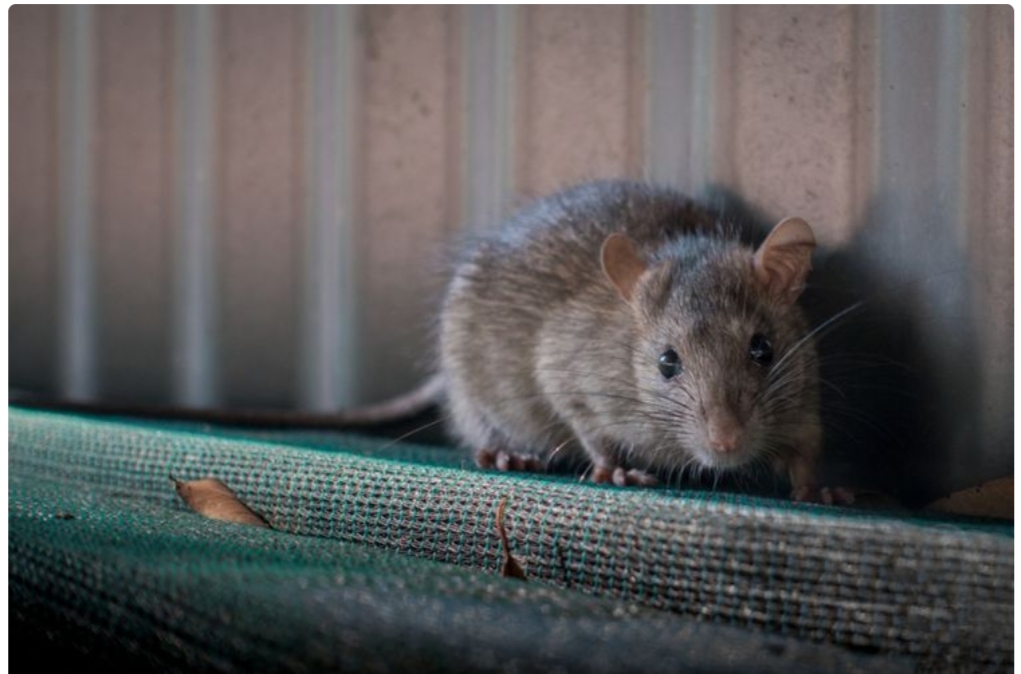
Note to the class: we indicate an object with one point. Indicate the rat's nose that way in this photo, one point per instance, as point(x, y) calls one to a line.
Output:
point(724, 440)
point(724, 432)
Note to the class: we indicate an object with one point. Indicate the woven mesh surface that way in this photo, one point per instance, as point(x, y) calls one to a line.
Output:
point(134, 567)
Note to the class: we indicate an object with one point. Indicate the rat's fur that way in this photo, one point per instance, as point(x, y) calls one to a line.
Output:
point(541, 354)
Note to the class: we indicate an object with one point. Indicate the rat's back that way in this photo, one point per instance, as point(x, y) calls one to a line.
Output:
point(507, 285)
point(555, 240)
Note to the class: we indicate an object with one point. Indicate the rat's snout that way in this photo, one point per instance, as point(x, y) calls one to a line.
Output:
point(724, 431)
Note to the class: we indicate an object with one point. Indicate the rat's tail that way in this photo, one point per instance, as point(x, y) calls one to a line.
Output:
point(404, 406)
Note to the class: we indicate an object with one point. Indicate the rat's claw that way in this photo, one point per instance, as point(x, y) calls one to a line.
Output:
point(503, 461)
point(806, 494)
point(639, 478)
point(824, 495)
point(602, 474)
point(508, 461)
point(843, 496)
point(485, 458)
point(622, 478)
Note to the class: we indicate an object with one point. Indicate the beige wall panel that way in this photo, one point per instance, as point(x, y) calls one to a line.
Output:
point(260, 88)
point(880, 125)
point(578, 115)
point(132, 195)
point(409, 144)
point(793, 112)
point(32, 168)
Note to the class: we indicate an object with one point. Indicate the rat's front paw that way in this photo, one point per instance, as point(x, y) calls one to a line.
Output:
point(825, 495)
point(622, 478)
point(509, 461)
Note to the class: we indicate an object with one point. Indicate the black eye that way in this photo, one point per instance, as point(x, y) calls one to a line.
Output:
point(760, 350)
point(669, 364)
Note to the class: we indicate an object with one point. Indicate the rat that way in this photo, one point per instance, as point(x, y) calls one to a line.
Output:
point(623, 325)
point(620, 320)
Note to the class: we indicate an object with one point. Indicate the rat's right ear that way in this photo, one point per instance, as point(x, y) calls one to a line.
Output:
point(622, 264)
point(784, 259)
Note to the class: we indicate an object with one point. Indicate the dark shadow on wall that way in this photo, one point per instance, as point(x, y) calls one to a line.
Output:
point(900, 371)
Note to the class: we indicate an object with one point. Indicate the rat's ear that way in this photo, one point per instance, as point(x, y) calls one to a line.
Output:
point(621, 264)
point(784, 259)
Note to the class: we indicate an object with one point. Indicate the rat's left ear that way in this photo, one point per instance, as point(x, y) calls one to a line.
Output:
point(784, 259)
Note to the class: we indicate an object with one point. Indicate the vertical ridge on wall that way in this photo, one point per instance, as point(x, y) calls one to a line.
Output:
point(912, 169)
point(987, 199)
point(717, 77)
point(32, 236)
point(194, 304)
point(488, 78)
point(260, 201)
point(864, 123)
point(77, 279)
point(793, 136)
point(575, 116)
point(682, 71)
point(636, 106)
point(409, 169)
point(991, 193)
point(951, 125)
point(922, 243)
point(328, 373)
point(132, 232)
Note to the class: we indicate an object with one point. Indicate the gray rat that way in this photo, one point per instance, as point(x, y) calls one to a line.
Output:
point(619, 323)
point(619, 320)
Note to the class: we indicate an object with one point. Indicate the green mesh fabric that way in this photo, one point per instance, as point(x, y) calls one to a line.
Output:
point(105, 560)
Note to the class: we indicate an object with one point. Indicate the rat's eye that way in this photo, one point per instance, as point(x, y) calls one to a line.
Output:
point(760, 350)
point(669, 364)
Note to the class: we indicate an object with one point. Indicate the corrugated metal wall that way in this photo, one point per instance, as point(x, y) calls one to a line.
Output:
point(244, 205)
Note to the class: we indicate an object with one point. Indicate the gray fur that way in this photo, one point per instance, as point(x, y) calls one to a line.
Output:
point(538, 350)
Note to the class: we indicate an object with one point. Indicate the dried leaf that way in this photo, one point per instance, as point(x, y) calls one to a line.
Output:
point(510, 567)
point(990, 499)
point(215, 500)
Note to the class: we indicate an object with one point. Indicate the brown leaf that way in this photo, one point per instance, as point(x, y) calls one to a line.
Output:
point(510, 567)
point(215, 500)
point(990, 499)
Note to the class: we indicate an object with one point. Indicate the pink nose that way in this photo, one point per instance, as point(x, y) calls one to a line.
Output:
point(724, 437)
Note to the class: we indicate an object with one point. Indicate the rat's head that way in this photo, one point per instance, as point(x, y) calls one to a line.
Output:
point(722, 363)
